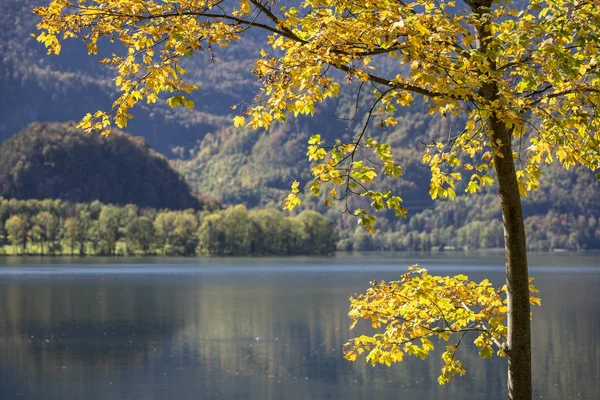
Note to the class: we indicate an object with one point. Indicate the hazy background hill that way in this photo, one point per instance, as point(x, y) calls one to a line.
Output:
point(256, 168)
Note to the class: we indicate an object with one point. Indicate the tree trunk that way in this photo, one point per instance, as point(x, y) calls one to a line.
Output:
point(24, 242)
point(517, 276)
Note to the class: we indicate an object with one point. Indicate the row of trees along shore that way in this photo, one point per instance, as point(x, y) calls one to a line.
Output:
point(424, 232)
point(55, 227)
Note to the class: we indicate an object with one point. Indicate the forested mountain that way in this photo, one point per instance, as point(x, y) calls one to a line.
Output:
point(53, 160)
point(38, 87)
point(256, 168)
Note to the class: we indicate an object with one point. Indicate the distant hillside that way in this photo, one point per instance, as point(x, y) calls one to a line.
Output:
point(53, 160)
point(256, 168)
point(39, 87)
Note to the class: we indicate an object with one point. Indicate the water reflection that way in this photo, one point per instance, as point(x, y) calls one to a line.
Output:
point(254, 333)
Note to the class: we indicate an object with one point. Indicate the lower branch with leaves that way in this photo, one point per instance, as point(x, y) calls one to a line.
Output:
point(421, 308)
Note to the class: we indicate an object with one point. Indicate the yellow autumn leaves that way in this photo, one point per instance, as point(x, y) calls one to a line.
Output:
point(336, 168)
point(410, 313)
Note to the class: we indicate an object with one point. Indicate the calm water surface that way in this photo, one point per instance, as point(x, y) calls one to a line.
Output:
point(181, 329)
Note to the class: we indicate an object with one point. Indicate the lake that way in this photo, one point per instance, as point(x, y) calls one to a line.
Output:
point(178, 329)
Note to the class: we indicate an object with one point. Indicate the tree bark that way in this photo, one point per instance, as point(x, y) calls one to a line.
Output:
point(517, 276)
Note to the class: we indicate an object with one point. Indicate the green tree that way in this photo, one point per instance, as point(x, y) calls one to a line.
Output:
point(164, 226)
point(139, 235)
point(319, 231)
point(17, 230)
point(3, 235)
point(512, 74)
point(45, 231)
point(94, 235)
point(176, 232)
point(184, 234)
point(228, 233)
point(274, 234)
point(211, 236)
point(241, 231)
point(70, 234)
point(109, 224)
point(84, 222)
point(76, 231)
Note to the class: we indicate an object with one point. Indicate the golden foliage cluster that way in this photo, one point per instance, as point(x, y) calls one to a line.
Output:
point(421, 307)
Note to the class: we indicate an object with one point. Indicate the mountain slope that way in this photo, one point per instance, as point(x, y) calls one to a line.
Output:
point(59, 161)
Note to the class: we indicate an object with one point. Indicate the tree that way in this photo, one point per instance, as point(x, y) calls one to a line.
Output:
point(232, 233)
point(109, 224)
point(506, 73)
point(45, 230)
point(186, 225)
point(17, 228)
point(319, 231)
point(84, 222)
point(71, 233)
point(76, 231)
point(164, 226)
point(139, 235)
point(94, 236)
point(211, 236)
point(275, 232)
point(238, 231)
